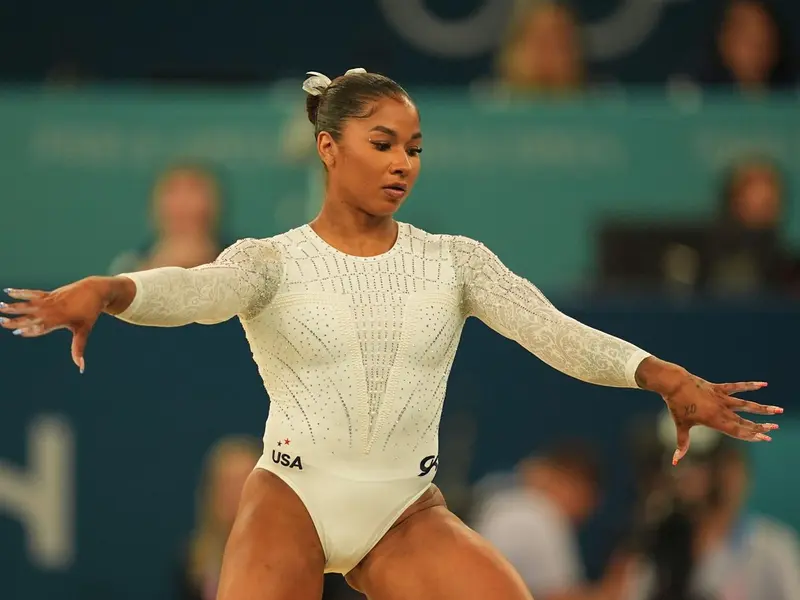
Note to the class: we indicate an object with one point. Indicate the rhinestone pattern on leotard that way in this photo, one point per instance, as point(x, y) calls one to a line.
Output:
point(356, 352)
point(377, 294)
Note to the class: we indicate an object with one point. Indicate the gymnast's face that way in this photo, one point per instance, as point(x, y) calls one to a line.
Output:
point(376, 161)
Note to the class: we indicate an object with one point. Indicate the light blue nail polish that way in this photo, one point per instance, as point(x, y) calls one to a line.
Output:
point(3, 320)
point(7, 290)
point(17, 332)
point(3, 305)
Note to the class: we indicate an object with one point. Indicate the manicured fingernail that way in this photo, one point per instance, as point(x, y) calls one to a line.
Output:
point(772, 426)
point(763, 437)
point(777, 410)
point(3, 305)
point(82, 366)
point(3, 320)
point(17, 332)
point(675, 457)
point(8, 290)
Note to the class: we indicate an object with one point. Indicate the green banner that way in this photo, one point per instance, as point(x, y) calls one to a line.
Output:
point(529, 180)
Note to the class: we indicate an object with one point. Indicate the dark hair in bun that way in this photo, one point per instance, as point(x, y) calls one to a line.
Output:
point(348, 97)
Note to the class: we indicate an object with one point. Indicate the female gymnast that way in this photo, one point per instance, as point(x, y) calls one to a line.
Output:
point(353, 321)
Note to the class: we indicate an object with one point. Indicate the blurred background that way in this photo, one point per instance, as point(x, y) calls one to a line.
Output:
point(639, 160)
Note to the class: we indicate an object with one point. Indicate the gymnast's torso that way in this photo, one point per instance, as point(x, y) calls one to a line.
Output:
point(355, 352)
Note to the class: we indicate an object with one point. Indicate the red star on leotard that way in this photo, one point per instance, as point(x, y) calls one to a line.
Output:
point(286, 441)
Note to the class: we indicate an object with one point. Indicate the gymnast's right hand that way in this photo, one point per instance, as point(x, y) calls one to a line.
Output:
point(75, 307)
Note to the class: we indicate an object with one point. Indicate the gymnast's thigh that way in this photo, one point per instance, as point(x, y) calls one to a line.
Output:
point(273, 552)
point(433, 555)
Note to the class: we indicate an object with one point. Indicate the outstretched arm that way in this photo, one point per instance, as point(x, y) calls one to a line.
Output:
point(240, 282)
point(515, 308)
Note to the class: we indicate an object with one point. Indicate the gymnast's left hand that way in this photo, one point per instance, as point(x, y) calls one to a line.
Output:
point(694, 401)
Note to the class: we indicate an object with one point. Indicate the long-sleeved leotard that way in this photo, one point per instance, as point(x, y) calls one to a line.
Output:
point(242, 281)
point(355, 352)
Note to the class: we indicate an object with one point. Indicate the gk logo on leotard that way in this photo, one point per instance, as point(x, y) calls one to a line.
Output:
point(287, 460)
point(428, 464)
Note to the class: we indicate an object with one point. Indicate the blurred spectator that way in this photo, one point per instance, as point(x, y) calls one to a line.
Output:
point(752, 51)
point(534, 524)
point(186, 213)
point(225, 470)
point(740, 251)
point(744, 251)
point(543, 50)
point(702, 543)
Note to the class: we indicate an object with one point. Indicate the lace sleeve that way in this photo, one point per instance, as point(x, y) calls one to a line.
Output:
point(516, 309)
point(242, 281)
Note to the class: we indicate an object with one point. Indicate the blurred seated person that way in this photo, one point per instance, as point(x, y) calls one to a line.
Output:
point(535, 524)
point(543, 52)
point(739, 252)
point(697, 540)
point(225, 471)
point(186, 207)
point(751, 52)
point(744, 252)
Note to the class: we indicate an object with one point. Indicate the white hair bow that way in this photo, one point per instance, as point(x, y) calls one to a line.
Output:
point(317, 83)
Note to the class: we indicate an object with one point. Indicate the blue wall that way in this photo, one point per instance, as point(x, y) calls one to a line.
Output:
point(152, 400)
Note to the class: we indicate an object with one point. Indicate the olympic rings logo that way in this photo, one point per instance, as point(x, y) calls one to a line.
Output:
point(618, 34)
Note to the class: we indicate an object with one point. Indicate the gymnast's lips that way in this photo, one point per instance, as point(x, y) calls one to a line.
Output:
point(395, 191)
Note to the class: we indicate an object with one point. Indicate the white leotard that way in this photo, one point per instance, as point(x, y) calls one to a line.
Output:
point(355, 352)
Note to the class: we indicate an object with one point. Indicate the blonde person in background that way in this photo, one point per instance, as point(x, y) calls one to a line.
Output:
point(186, 215)
point(226, 467)
point(542, 53)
